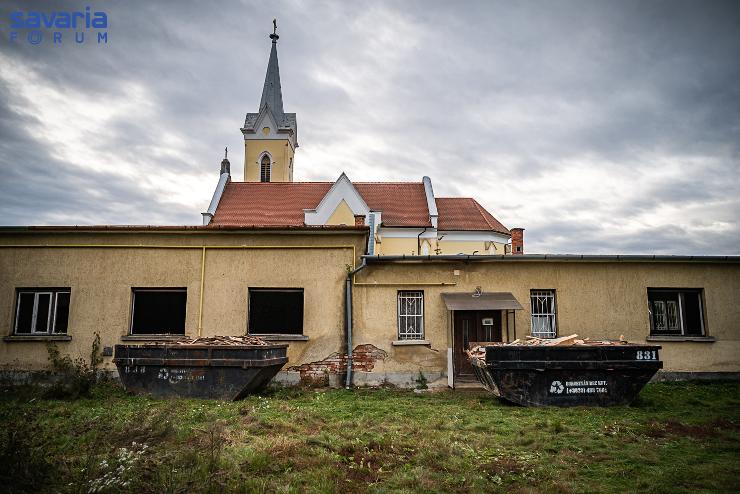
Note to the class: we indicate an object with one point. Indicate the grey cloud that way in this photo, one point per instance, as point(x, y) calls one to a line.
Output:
point(491, 99)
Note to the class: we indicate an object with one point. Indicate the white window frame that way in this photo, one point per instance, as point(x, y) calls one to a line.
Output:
point(550, 317)
point(403, 318)
point(51, 316)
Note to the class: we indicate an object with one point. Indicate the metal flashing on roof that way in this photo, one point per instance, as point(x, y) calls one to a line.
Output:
point(481, 301)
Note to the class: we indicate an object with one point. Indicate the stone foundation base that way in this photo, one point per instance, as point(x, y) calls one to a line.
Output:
point(405, 380)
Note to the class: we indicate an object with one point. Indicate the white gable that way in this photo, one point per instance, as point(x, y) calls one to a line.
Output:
point(342, 190)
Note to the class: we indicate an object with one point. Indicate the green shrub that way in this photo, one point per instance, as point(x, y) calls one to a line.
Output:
point(73, 378)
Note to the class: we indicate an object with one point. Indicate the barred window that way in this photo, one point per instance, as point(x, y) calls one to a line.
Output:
point(410, 315)
point(676, 312)
point(543, 313)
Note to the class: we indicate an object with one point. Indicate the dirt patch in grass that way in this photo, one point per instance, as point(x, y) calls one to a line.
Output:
point(503, 466)
point(673, 428)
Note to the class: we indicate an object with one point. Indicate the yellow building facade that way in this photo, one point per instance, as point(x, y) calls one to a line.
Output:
point(102, 269)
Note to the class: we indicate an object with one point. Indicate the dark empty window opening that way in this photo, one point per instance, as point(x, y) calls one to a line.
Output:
point(276, 311)
point(676, 312)
point(158, 311)
point(42, 311)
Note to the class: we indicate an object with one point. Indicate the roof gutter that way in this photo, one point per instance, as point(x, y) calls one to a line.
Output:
point(348, 316)
point(551, 258)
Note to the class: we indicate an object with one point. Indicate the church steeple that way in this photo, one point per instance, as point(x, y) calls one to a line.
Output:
point(271, 135)
point(272, 95)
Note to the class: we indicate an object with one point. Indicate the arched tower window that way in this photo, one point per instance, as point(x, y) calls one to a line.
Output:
point(265, 169)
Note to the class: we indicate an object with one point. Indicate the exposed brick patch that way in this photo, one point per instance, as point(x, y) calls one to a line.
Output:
point(364, 358)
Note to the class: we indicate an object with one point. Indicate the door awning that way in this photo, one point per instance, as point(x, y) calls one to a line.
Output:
point(483, 301)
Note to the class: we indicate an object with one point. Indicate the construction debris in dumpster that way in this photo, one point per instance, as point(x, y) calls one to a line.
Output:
point(479, 351)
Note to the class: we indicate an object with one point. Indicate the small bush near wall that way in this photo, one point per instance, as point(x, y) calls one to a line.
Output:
point(74, 377)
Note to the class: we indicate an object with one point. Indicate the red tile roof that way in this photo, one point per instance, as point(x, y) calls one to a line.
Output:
point(464, 213)
point(272, 203)
point(403, 204)
point(282, 203)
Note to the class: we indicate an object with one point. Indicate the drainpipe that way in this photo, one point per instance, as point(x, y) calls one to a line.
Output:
point(418, 241)
point(348, 316)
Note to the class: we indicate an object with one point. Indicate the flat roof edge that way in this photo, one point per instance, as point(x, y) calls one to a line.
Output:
point(182, 229)
point(553, 258)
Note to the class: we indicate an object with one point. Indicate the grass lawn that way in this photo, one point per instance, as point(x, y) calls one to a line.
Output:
point(678, 437)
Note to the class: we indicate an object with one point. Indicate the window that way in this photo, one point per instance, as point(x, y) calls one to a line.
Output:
point(543, 313)
point(410, 315)
point(158, 311)
point(265, 169)
point(276, 311)
point(676, 312)
point(42, 311)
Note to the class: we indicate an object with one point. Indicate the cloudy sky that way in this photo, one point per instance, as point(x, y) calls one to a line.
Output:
point(600, 127)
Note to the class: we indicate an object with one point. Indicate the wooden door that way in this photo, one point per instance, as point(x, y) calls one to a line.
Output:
point(469, 328)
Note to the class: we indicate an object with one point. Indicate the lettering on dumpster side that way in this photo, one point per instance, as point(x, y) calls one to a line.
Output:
point(175, 376)
point(585, 387)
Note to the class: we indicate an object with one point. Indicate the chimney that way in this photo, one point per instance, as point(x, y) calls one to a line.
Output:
point(517, 241)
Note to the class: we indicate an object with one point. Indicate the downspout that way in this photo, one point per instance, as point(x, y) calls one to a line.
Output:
point(418, 241)
point(348, 316)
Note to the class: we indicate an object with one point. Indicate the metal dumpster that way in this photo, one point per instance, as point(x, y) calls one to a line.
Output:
point(226, 372)
point(567, 376)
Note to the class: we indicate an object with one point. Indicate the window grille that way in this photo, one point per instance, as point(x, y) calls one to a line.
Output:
point(543, 313)
point(410, 315)
point(676, 312)
point(265, 169)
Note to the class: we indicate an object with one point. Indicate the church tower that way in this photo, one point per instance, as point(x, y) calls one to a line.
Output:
point(270, 135)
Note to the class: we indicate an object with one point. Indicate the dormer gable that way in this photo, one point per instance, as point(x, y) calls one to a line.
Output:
point(340, 196)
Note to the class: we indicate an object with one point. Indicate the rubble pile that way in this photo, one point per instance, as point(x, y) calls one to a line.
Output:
point(223, 340)
point(479, 351)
